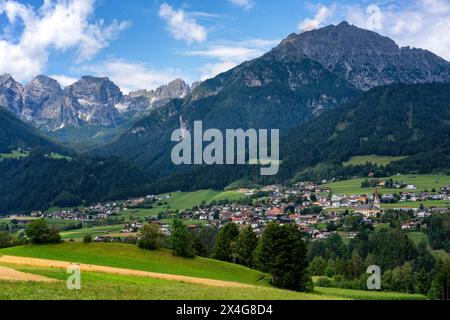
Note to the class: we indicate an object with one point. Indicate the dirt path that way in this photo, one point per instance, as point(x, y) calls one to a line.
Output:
point(9, 274)
point(111, 270)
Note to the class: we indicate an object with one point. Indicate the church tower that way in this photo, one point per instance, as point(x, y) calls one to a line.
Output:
point(376, 202)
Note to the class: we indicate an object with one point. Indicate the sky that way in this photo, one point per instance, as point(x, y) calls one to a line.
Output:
point(142, 44)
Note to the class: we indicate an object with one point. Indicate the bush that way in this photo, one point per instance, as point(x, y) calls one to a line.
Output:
point(39, 232)
point(323, 282)
point(149, 237)
point(87, 238)
point(6, 240)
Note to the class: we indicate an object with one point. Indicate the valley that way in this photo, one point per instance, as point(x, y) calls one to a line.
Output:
point(88, 176)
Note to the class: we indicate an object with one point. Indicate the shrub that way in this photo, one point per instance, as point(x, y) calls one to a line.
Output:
point(39, 232)
point(149, 237)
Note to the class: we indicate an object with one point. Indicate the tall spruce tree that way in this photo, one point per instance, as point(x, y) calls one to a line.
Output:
point(281, 252)
point(181, 240)
point(245, 246)
point(223, 248)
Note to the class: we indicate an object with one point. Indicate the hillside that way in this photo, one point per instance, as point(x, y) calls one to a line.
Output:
point(247, 284)
point(16, 134)
point(397, 120)
point(263, 93)
point(304, 77)
point(38, 182)
point(407, 124)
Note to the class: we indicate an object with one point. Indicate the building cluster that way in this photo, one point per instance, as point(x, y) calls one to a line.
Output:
point(312, 207)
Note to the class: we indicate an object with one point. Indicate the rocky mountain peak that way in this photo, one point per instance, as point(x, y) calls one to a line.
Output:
point(11, 93)
point(144, 100)
point(364, 58)
point(91, 89)
point(7, 81)
point(37, 92)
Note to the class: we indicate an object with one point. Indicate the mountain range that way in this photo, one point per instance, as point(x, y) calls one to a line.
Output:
point(334, 93)
point(292, 84)
point(90, 108)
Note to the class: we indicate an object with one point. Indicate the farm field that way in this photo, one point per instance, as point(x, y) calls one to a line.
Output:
point(416, 204)
point(93, 231)
point(422, 182)
point(183, 201)
point(374, 159)
point(99, 285)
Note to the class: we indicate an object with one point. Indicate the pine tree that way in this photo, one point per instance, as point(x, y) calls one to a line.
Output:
point(181, 240)
point(199, 247)
point(223, 248)
point(281, 252)
point(245, 247)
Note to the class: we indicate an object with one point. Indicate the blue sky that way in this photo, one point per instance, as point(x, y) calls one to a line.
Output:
point(145, 43)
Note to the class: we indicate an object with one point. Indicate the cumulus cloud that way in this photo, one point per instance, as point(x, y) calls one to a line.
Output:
point(181, 25)
point(227, 55)
point(245, 4)
point(421, 23)
point(63, 80)
point(132, 76)
point(321, 16)
point(57, 25)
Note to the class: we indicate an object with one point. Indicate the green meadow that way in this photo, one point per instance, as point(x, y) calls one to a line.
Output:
point(131, 257)
point(422, 182)
point(100, 286)
point(183, 201)
point(93, 231)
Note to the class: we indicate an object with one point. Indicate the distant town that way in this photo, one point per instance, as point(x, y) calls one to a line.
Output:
point(314, 208)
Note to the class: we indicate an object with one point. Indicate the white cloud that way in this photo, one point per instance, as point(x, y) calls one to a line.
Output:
point(321, 16)
point(57, 25)
point(245, 4)
point(423, 24)
point(131, 76)
point(181, 25)
point(63, 80)
point(230, 54)
point(419, 23)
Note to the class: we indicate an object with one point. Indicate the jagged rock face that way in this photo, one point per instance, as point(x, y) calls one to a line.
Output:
point(11, 94)
point(143, 101)
point(38, 92)
point(364, 58)
point(96, 99)
point(91, 100)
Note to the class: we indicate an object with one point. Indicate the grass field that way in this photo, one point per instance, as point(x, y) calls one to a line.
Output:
point(131, 257)
point(93, 231)
point(111, 287)
point(184, 201)
point(177, 201)
point(13, 155)
point(416, 204)
point(422, 182)
point(418, 237)
point(379, 160)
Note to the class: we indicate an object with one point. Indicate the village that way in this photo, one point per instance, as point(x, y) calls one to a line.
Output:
point(314, 208)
